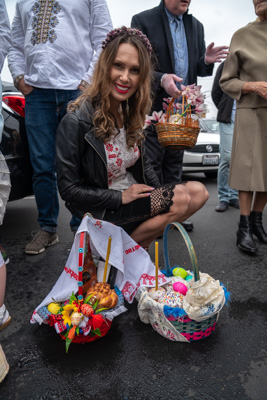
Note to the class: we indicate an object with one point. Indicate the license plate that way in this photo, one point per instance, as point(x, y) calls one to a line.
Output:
point(210, 160)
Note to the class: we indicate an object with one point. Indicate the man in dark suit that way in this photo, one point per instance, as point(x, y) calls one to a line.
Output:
point(178, 42)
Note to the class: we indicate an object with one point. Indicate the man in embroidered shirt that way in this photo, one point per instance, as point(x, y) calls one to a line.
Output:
point(55, 46)
point(178, 42)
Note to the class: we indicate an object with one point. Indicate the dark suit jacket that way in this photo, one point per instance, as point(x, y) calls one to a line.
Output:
point(154, 24)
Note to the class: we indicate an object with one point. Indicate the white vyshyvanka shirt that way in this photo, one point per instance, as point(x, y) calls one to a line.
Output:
point(57, 42)
point(120, 157)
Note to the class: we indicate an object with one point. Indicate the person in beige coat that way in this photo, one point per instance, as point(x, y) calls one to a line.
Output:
point(244, 78)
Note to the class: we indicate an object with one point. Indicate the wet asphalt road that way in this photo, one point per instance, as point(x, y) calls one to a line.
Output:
point(133, 362)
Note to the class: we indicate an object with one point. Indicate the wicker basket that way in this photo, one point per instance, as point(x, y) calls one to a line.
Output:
point(190, 329)
point(164, 319)
point(178, 136)
point(107, 314)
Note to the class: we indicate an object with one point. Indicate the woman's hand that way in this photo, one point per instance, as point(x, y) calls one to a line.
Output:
point(136, 191)
point(259, 88)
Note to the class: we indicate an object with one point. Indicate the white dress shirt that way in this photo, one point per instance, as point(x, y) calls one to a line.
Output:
point(55, 43)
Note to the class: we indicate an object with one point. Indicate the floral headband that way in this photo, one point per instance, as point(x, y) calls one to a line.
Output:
point(131, 32)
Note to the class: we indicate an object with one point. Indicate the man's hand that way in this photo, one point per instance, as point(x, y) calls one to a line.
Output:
point(215, 54)
point(168, 84)
point(81, 88)
point(136, 191)
point(23, 87)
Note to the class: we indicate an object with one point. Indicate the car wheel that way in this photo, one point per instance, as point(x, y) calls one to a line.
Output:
point(211, 174)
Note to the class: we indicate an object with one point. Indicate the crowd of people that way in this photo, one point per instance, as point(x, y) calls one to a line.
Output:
point(85, 119)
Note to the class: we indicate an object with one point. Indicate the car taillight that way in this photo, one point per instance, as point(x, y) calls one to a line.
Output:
point(16, 103)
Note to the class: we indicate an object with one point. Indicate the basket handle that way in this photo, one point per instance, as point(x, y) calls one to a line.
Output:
point(188, 243)
point(82, 245)
point(169, 109)
point(185, 108)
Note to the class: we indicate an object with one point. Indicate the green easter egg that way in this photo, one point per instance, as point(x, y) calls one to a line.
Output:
point(189, 277)
point(180, 272)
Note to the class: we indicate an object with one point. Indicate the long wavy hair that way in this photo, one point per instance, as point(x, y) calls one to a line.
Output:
point(135, 108)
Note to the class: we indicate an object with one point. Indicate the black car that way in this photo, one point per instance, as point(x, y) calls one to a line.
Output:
point(14, 145)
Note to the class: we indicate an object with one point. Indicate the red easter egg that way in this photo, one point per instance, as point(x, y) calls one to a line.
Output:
point(87, 310)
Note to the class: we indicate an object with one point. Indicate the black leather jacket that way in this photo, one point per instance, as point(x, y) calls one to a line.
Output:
point(82, 166)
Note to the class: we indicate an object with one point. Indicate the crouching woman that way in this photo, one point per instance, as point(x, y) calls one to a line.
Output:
point(101, 165)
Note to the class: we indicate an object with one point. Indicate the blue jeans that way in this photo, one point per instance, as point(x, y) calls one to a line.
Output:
point(225, 193)
point(44, 109)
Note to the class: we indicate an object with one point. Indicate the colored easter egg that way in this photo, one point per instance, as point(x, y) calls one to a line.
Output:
point(179, 272)
point(54, 308)
point(76, 318)
point(189, 277)
point(180, 287)
point(87, 310)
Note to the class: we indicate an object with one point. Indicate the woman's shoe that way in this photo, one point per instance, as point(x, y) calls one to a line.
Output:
point(245, 240)
point(257, 228)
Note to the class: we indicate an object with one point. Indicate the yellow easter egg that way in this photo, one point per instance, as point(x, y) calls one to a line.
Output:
point(54, 308)
point(179, 272)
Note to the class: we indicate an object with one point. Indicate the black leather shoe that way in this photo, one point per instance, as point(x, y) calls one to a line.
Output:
point(234, 203)
point(188, 226)
point(245, 240)
point(222, 206)
point(257, 228)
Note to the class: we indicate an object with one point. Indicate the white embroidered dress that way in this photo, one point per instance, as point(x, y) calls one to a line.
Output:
point(120, 157)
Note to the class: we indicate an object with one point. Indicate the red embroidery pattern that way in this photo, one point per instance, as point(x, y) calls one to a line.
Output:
point(72, 273)
point(129, 290)
point(60, 326)
point(118, 160)
point(99, 224)
point(132, 249)
point(109, 147)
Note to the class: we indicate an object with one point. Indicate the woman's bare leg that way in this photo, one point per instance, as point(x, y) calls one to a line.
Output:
point(260, 200)
point(198, 195)
point(245, 201)
point(187, 199)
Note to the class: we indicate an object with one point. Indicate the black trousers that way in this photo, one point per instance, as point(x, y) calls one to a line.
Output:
point(167, 163)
